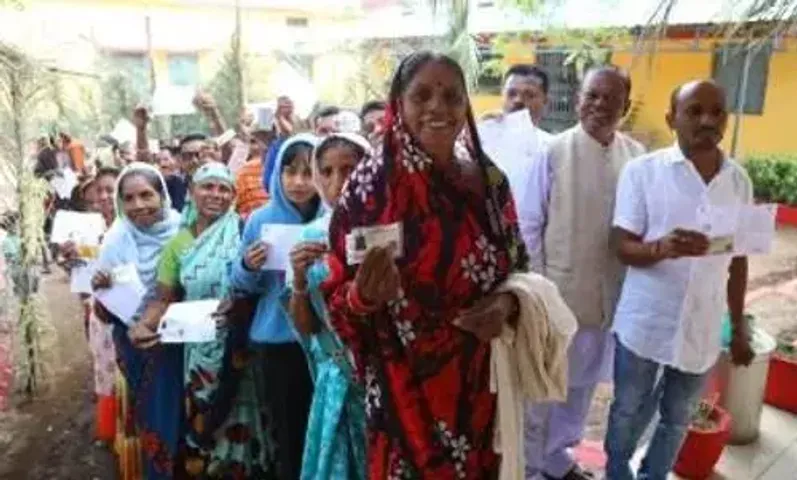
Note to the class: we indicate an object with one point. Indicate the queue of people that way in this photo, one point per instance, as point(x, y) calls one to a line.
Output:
point(384, 367)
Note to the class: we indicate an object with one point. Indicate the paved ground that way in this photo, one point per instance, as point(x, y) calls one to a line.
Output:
point(773, 300)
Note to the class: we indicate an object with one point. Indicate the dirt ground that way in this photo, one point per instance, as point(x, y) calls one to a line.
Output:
point(51, 439)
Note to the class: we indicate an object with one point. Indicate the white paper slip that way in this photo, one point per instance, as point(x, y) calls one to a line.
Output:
point(738, 229)
point(125, 295)
point(512, 143)
point(718, 220)
point(78, 227)
point(519, 120)
point(189, 322)
point(280, 239)
point(360, 240)
point(755, 229)
point(64, 183)
point(238, 157)
point(80, 278)
point(225, 137)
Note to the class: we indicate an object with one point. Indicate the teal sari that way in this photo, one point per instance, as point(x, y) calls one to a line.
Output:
point(335, 442)
point(225, 431)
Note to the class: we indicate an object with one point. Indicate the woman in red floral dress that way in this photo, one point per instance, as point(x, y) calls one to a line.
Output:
point(419, 326)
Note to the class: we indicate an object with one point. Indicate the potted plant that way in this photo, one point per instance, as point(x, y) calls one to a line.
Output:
point(708, 433)
point(774, 180)
point(782, 374)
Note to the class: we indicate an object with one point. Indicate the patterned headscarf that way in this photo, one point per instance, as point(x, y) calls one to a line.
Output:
point(209, 171)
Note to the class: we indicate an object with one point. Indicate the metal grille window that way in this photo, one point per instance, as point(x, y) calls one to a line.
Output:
point(743, 70)
point(562, 92)
point(183, 70)
point(563, 89)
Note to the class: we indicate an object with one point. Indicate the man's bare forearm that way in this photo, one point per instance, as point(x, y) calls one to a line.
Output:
point(634, 252)
point(737, 290)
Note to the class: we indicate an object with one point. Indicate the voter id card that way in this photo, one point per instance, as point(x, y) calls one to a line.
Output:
point(720, 245)
point(360, 240)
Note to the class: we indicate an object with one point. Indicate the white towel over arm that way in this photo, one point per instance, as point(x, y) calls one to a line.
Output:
point(528, 363)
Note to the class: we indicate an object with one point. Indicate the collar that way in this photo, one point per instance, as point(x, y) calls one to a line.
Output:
point(676, 155)
point(592, 142)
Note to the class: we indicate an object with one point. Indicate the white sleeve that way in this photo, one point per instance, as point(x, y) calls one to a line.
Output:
point(630, 210)
point(532, 207)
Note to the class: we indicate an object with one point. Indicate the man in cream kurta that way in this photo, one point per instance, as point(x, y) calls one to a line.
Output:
point(569, 204)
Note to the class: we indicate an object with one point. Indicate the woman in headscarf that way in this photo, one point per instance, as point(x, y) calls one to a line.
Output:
point(284, 386)
point(419, 320)
point(153, 406)
point(335, 441)
point(224, 432)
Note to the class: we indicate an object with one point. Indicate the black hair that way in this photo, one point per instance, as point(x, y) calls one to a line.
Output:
point(192, 137)
point(327, 111)
point(293, 151)
point(339, 142)
point(372, 106)
point(529, 70)
point(46, 160)
point(406, 71)
point(78, 197)
point(621, 73)
point(152, 178)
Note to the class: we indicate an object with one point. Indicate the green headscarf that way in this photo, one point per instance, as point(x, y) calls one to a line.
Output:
point(207, 172)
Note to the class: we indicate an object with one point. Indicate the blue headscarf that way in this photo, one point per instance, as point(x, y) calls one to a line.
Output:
point(127, 243)
point(270, 324)
point(269, 160)
point(279, 209)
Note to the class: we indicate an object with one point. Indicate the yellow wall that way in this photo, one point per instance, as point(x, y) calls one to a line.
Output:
point(653, 82)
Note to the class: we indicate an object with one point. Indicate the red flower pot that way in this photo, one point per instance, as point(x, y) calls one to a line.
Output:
point(702, 448)
point(781, 379)
point(787, 215)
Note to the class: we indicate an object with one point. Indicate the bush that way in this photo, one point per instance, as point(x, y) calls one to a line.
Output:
point(774, 177)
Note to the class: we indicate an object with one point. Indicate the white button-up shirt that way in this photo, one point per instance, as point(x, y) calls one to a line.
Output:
point(671, 312)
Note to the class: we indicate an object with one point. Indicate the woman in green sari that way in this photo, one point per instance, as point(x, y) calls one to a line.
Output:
point(225, 433)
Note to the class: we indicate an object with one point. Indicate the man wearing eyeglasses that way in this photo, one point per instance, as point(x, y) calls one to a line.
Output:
point(191, 147)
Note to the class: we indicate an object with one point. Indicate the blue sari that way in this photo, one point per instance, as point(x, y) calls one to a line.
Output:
point(335, 440)
point(154, 420)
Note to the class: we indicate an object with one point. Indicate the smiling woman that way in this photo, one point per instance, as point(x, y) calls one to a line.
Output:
point(421, 324)
point(217, 387)
point(142, 197)
point(151, 396)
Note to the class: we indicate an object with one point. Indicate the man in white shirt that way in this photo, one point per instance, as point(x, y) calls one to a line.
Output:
point(526, 86)
point(512, 138)
point(669, 316)
point(565, 218)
